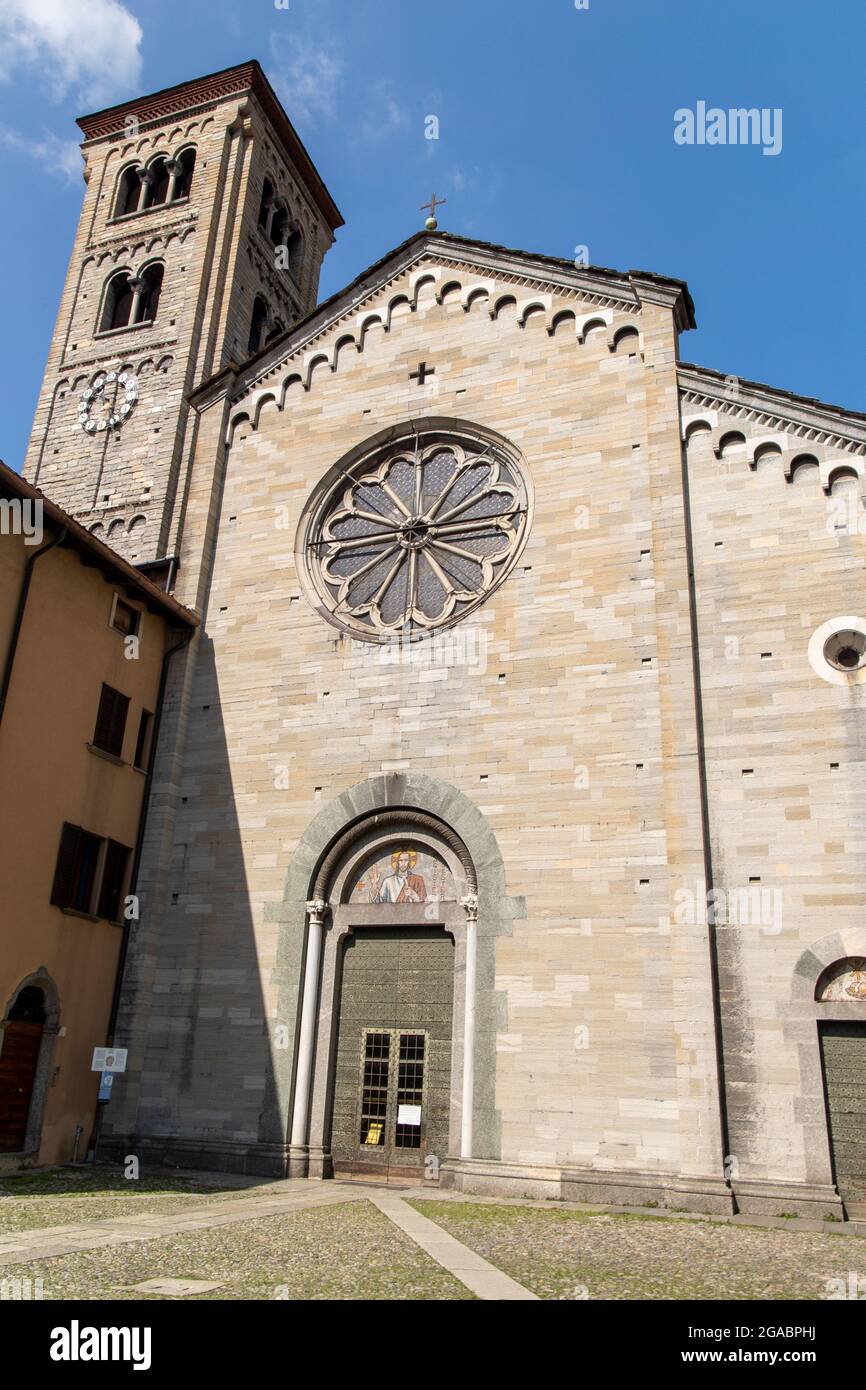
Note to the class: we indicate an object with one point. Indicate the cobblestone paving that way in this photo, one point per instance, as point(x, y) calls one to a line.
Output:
point(346, 1251)
point(577, 1255)
point(64, 1197)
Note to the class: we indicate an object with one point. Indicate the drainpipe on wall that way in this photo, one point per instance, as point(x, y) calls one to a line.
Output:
point(136, 864)
point(19, 614)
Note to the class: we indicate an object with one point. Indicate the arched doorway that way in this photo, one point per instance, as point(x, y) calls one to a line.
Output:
point(22, 1032)
point(320, 911)
point(843, 1064)
point(385, 1025)
point(394, 894)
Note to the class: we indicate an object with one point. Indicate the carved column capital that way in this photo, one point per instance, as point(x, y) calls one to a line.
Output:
point(317, 908)
point(470, 905)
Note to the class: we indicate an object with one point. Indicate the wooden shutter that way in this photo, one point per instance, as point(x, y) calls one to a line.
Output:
point(67, 859)
point(112, 880)
point(111, 721)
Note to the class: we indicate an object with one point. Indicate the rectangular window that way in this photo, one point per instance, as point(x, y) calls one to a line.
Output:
point(142, 743)
point(85, 872)
point(410, 1087)
point(111, 721)
point(77, 872)
point(113, 875)
point(125, 618)
point(374, 1094)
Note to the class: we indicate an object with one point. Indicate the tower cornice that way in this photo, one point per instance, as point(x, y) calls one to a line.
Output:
point(201, 92)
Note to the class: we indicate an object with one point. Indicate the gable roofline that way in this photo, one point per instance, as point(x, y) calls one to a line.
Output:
point(95, 552)
point(600, 279)
point(757, 396)
point(242, 78)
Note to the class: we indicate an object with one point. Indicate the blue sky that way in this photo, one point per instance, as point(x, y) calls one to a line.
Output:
point(556, 129)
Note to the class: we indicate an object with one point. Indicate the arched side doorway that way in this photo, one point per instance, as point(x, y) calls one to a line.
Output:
point(829, 998)
point(26, 1042)
point(334, 921)
point(843, 1064)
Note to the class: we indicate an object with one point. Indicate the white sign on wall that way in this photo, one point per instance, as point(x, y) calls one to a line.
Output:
point(109, 1059)
point(408, 1114)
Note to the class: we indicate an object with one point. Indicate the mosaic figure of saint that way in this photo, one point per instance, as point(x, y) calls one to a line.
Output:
point(402, 885)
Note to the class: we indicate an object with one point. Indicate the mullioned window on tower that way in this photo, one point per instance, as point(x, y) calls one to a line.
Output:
point(165, 179)
point(131, 300)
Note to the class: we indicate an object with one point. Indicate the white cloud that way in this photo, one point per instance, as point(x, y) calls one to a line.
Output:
point(306, 78)
point(87, 48)
point(383, 114)
point(310, 82)
point(61, 157)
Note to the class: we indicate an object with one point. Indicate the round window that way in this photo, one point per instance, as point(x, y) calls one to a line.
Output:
point(415, 534)
point(846, 650)
point(837, 651)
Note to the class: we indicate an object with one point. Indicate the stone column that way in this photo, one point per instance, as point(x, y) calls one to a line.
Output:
point(298, 1153)
point(175, 169)
point(137, 285)
point(146, 182)
point(470, 905)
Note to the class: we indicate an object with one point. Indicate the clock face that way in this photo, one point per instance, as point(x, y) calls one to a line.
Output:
point(107, 403)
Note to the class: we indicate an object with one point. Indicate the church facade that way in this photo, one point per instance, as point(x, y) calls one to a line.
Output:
point(506, 828)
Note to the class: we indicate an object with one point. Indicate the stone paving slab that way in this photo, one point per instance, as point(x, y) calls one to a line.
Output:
point(484, 1279)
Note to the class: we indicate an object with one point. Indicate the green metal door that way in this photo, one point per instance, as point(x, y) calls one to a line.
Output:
point(843, 1054)
point(393, 1069)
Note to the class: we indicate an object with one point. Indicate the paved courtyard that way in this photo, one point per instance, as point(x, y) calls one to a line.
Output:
point(89, 1234)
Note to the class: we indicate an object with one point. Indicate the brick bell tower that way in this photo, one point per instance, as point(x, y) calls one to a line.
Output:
point(201, 238)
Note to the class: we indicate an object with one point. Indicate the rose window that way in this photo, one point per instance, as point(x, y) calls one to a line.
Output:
point(417, 536)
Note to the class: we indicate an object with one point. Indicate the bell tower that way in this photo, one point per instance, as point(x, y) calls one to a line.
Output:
point(201, 238)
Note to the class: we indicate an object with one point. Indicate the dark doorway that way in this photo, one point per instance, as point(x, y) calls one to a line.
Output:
point(19, 1055)
point(393, 1071)
point(843, 1057)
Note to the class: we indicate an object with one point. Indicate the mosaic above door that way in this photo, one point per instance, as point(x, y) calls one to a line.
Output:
point(404, 873)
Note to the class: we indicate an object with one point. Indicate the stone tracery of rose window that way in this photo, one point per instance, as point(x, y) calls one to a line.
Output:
point(418, 538)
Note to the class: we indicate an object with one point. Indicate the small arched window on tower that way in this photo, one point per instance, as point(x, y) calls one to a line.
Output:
point(258, 324)
point(151, 288)
point(131, 299)
point(183, 167)
point(119, 296)
point(279, 225)
point(295, 244)
point(128, 191)
point(158, 179)
point(266, 204)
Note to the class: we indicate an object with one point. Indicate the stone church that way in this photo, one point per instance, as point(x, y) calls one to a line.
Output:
point(507, 821)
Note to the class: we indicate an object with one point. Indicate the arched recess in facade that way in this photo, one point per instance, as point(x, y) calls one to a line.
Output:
point(318, 914)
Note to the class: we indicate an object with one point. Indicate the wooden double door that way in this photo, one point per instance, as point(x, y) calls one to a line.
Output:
point(392, 1080)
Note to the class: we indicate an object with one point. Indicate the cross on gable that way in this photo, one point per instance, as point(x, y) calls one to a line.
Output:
point(433, 204)
point(422, 373)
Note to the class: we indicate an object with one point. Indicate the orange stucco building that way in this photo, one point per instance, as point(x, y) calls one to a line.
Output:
point(85, 641)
